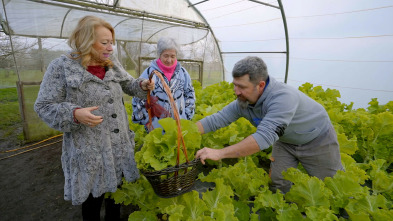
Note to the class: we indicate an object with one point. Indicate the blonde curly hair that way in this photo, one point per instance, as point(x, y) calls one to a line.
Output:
point(83, 37)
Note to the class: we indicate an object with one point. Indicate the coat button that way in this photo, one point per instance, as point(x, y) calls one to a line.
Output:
point(107, 87)
point(114, 115)
point(110, 100)
point(116, 131)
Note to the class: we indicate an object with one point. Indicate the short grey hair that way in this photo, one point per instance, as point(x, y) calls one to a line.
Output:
point(254, 66)
point(165, 43)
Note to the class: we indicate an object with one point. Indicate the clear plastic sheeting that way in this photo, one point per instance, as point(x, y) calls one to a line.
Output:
point(55, 20)
point(27, 18)
point(170, 8)
point(131, 29)
point(247, 28)
point(36, 24)
point(34, 32)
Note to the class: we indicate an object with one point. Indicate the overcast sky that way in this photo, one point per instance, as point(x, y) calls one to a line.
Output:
point(345, 45)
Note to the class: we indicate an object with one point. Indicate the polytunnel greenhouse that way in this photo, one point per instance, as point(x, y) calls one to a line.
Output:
point(339, 53)
point(37, 31)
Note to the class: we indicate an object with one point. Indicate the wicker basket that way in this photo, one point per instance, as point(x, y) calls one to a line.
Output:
point(175, 185)
point(176, 180)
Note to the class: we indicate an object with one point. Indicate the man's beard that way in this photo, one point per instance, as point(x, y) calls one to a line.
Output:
point(243, 103)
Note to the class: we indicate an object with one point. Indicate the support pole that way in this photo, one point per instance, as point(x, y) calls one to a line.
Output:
point(284, 20)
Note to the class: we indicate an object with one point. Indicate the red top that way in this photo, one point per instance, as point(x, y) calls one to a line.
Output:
point(98, 71)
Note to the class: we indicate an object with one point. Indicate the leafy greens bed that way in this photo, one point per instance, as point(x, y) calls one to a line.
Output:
point(363, 192)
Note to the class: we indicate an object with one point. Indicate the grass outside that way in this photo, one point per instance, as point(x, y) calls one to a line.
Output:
point(36, 128)
point(11, 122)
point(9, 108)
point(8, 78)
point(11, 125)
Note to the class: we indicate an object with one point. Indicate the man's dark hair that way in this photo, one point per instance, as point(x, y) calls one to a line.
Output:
point(254, 66)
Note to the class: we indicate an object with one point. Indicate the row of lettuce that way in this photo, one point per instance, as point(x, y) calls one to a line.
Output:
point(363, 192)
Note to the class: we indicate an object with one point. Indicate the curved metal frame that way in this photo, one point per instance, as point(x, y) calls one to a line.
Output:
point(137, 15)
point(62, 23)
point(281, 8)
point(215, 39)
point(284, 20)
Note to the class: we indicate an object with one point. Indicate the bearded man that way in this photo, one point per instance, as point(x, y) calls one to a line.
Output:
point(297, 127)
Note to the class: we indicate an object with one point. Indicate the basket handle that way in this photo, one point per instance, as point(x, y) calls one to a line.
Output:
point(180, 138)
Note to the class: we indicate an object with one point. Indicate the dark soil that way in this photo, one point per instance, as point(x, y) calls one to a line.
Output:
point(32, 186)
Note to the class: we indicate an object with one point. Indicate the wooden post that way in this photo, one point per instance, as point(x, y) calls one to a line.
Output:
point(42, 64)
point(19, 86)
point(21, 99)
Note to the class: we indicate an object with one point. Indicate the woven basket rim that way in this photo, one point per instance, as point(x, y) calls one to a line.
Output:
point(171, 169)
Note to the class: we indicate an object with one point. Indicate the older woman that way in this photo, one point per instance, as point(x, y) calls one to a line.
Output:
point(175, 76)
point(81, 96)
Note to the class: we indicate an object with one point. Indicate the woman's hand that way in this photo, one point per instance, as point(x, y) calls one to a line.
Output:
point(147, 85)
point(84, 116)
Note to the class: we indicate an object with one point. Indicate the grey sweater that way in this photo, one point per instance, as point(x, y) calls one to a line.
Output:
point(281, 113)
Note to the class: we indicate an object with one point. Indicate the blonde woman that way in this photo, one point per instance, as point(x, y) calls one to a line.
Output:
point(81, 96)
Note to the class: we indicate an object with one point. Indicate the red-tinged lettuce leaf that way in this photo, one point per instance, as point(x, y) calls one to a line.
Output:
point(306, 191)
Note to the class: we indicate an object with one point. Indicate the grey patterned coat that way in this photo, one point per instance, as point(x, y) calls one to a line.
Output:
point(93, 159)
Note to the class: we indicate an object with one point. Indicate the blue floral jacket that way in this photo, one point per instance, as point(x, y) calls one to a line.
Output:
point(181, 89)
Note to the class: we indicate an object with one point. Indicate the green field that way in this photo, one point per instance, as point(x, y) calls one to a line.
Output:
point(35, 129)
point(8, 78)
point(10, 115)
